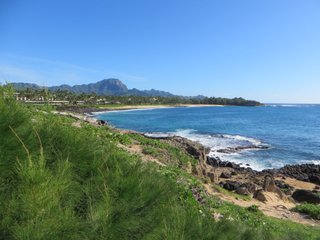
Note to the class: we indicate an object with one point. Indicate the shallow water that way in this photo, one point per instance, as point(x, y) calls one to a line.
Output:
point(292, 132)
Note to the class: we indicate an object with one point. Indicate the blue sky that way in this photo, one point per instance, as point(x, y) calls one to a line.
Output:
point(263, 50)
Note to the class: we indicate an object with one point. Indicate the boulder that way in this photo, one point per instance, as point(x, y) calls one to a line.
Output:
point(280, 194)
point(315, 179)
point(251, 187)
point(231, 185)
point(307, 196)
point(242, 191)
point(232, 165)
point(101, 122)
point(303, 172)
point(214, 161)
point(212, 176)
point(269, 184)
point(302, 177)
point(260, 196)
point(284, 187)
point(225, 175)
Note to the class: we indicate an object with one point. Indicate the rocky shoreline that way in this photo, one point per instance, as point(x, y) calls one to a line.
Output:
point(286, 186)
point(246, 181)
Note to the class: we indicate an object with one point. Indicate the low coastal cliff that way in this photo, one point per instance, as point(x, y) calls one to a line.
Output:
point(268, 189)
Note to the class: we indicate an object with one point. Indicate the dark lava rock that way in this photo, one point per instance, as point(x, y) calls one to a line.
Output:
point(269, 184)
point(242, 191)
point(284, 187)
point(259, 195)
point(214, 161)
point(232, 165)
point(269, 171)
point(101, 122)
point(315, 179)
point(241, 148)
point(302, 177)
point(251, 187)
point(302, 195)
point(303, 172)
point(225, 175)
point(231, 185)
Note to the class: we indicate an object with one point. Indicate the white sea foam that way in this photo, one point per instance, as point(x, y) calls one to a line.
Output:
point(218, 142)
point(283, 105)
point(158, 135)
point(316, 162)
point(253, 141)
point(291, 105)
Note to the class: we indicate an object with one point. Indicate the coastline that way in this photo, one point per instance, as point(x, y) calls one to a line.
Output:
point(99, 110)
point(231, 182)
point(150, 107)
point(289, 169)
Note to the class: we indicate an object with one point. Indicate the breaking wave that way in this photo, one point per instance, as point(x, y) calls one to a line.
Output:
point(225, 146)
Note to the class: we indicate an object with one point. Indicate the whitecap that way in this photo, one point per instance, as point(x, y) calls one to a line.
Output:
point(158, 135)
point(316, 162)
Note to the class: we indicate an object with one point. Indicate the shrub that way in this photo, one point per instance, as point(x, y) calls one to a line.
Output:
point(311, 209)
point(253, 208)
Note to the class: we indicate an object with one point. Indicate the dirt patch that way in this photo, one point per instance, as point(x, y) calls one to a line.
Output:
point(137, 149)
point(273, 207)
point(297, 184)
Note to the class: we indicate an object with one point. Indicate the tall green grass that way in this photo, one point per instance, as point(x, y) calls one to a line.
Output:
point(57, 182)
point(62, 182)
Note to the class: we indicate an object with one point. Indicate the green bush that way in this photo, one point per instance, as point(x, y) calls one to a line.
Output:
point(164, 151)
point(311, 209)
point(150, 151)
point(253, 208)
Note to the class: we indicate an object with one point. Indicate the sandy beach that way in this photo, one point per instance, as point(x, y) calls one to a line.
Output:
point(133, 107)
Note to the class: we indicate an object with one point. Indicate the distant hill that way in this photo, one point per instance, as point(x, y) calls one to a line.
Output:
point(22, 86)
point(113, 87)
point(104, 87)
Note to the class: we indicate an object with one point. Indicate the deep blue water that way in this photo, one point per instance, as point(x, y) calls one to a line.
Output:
point(292, 132)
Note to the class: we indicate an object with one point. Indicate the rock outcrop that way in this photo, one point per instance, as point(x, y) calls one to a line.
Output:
point(303, 172)
point(307, 196)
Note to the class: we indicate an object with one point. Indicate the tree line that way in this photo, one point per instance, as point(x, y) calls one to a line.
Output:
point(93, 98)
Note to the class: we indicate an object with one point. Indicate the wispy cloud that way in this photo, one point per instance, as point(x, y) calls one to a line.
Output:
point(51, 62)
point(41, 71)
point(8, 73)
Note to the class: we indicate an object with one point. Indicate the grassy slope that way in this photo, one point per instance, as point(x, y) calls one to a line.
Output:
point(59, 182)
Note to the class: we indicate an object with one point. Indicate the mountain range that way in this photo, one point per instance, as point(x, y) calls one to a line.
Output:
point(110, 86)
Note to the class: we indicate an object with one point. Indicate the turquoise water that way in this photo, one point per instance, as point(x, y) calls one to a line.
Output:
point(291, 132)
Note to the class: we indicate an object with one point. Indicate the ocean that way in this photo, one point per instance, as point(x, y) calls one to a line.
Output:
point(264, 137)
